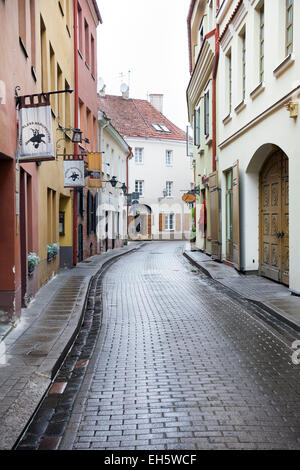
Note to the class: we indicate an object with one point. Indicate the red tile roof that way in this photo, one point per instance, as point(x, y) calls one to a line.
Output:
point(134, 118)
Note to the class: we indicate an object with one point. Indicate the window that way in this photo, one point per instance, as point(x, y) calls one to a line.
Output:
point(206, 113)
point(201, 33)
point(169, 188)
point(22, 24)
point(243, 39)
point(197, 127)
point(169, 221)
point(92, 56)
point(87, 42)
point(79, 27)
point(229, 81)
point(169, 157)
point(61, 223)
point(289, 27)
point(262, 43)
point(138, 155)
point(139, 187)
point(164, 128)
point(161, 127)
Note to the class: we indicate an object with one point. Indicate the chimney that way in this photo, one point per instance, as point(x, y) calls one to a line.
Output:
point(157, 101)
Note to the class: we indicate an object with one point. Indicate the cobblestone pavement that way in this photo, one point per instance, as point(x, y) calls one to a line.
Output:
point(181, 364)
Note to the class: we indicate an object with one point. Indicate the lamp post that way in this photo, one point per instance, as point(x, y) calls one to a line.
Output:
point(113, 181)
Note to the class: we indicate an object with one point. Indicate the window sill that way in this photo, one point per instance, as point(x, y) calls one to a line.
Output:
point(23, 47)
point(258, 90)
point(227, 119)
point(286, 63)
point(80, 55)
point(201, 151)
point(240, 107)
point(208, 140)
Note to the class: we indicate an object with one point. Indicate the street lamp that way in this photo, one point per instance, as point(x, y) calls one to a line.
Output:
point(77, 136)
point(113, 181)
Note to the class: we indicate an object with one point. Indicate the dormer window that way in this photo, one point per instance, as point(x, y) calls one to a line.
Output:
point(164, 128)
point(157, 127)
point(161, 127)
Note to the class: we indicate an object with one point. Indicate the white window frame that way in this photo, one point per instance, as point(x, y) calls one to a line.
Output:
point(169, 222)
point(169, 188)
point(139, 187)
point(139, 155)
point(169, 157)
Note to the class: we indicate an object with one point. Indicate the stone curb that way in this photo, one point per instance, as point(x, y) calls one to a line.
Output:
point(20, 412)
point(280, 315)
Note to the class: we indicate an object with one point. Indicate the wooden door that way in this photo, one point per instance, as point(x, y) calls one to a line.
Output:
point(274, 240)
point(214, 216)
point(285, 221)
point(236, 216)
point(149, 226)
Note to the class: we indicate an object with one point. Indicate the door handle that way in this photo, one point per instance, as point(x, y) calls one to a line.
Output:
point(280, 234)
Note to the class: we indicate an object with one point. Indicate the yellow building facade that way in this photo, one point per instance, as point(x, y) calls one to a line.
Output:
point(55, 72)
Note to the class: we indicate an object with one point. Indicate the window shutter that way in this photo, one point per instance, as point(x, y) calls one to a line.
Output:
point(235, 214)
point(178, 222)
point(160, 222)
point(90, 211)
point(95, 221)
point(206, 113)
point(214, 215)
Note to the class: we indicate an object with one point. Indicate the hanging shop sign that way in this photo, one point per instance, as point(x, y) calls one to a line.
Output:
point(94, 169)
point(35, 136)
point(73, 173)
point(189, 198)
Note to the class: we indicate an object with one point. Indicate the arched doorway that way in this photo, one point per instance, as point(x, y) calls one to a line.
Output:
point(274, 217)
point(140, 223)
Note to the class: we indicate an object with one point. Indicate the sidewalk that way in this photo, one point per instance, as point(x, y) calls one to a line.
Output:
point(271, 296)
point(32, 352)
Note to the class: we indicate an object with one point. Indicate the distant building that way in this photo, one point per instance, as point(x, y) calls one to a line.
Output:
point(112, 208)
point(159, 171)
point(247, 51)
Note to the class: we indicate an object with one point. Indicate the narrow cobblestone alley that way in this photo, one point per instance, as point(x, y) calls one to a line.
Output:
point(181, 365)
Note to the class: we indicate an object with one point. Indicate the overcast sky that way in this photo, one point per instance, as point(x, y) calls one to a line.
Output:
point(149, 38)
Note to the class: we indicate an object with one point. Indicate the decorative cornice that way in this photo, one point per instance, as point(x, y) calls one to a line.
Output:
point(279, 104)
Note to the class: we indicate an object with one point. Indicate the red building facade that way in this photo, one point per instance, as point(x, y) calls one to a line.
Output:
point(87, 18)
point(18, 182)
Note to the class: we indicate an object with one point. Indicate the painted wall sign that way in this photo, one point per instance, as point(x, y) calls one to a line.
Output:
point(35, 138)
point(94, 169)
point(73, 173)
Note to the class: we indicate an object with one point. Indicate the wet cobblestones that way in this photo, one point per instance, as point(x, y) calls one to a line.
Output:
point(182, 365)
point(178, 364)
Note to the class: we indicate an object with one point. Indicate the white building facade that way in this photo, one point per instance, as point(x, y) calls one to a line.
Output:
point(112, 208)
point(161, 172)
point(258, 89)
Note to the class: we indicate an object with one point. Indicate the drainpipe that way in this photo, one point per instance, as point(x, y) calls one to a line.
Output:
point(214, 110)
point(76, 148)
point(127, 181)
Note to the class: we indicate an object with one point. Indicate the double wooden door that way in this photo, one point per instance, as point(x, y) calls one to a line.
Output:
point(274, 218)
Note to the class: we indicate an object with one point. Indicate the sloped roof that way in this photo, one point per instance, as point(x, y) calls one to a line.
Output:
point(134, 118)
